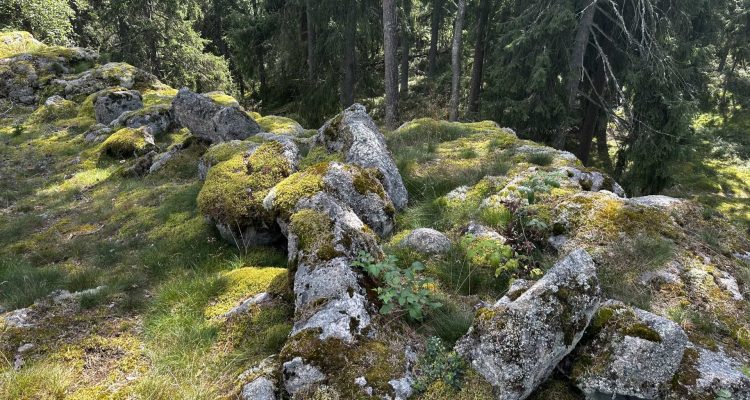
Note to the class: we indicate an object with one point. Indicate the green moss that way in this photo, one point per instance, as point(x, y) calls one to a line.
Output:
point(376, 360)
point(234, 189)
point(159, 95)
point(242, 283)
point(224, 151)
point(315, 232)
point(319, 155)
point(222, 99)
point(473, 387)
point(45, 114)
point(642, 331)
point(125, 143)
point(687, 374)
point(366, 181)
point(279, 125)
point(297, 186)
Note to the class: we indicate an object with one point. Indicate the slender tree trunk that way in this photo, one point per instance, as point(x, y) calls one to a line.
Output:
point(390, 31)
point(310, 41)
point(435, 21)
point(575, 65)
point(601, 142)
point(456, 60)
point(405, 46)
point(591, 116)
point(349, 63)
point(477, 69)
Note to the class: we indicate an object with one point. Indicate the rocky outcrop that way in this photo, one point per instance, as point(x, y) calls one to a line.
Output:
point(103, 77)
point(354, 134)
point(515, 346)
point(156, 120)
point(706, 374)
point(427, 241)
point(109, 106)
point(210, 121)
point(631, 353)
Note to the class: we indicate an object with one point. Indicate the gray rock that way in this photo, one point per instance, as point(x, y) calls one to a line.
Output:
point(26, 347)
point(97, 133)
point(480, 231)
point(371, 204)
point(705, 374)
point(299, 376)
point(20, 318)
point(402, 387)
point(516, 346)
point(558, 241)
point(110, 105)
point(291, 150)
point(516, 289)
point(636, 354)
point(427, 241)
point(659, 201)
point(155, 120)
point(55, 100)
point(246, 304)
point(354, 134)
point(727, 282)
point(211, 122)
point(106, 76)
point(163, 158)
point(259, 389)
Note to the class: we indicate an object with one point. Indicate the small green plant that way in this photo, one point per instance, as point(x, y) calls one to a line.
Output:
point(746, 370)
point(539, 183)
point(468, 153)
point(497, 217)
point(403, 288)
point(541, 159)
point(490, 252)
point(18, 130)
point(438, 364)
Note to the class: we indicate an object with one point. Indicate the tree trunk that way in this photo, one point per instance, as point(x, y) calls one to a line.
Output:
point(575, 65)
point(601, 142)
point(405, 46)
point(456, 60)
point(310, 41)
point(477, 69)
point(591, 116)
point(347, 85)
point(390, 30)
point(435, 21)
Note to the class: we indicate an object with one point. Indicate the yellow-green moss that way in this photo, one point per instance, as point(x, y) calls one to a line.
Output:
point(234, 189)
point(159, 95)
point(222, 99)
point(224, 151)
point(376, 360)
point(319, 155)
point(315, 232)
point(15, 43)
point(297, 186)
point(473, 387)
point(279, 125)
point(241, 283)
point(126, 142)
point(45, 114)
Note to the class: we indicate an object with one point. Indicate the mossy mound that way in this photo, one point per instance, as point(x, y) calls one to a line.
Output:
point(126, 143)
point(280, 125)
point(222, 99)
point(314, 231)
point(234, 190)
point(15, 43)
point(297, 186)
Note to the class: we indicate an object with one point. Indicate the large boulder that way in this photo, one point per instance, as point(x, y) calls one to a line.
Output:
point(515, 346)
point(103, 77)
point(324, 235)
point(354, 134)
point(211, 121)
point(354, 187)
point(156, 120)
point(109, 106)
point(627, 353)
point(232, 196)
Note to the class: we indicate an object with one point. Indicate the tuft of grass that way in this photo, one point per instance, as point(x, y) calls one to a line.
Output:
point(497, 217)
point(21, 283)
point(36, 381)
point(627, 261)
point(541, 159)
point(449, 322)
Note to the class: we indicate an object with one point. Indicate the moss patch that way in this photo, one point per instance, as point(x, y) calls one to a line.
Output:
point(279, 125)
point(242, 283)
point(234, 190)
point(125, 143)
point(297, 186)
point(315, 232)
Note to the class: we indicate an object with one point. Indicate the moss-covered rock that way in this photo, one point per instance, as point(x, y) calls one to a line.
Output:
point(280, 125)
point(127, 142)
